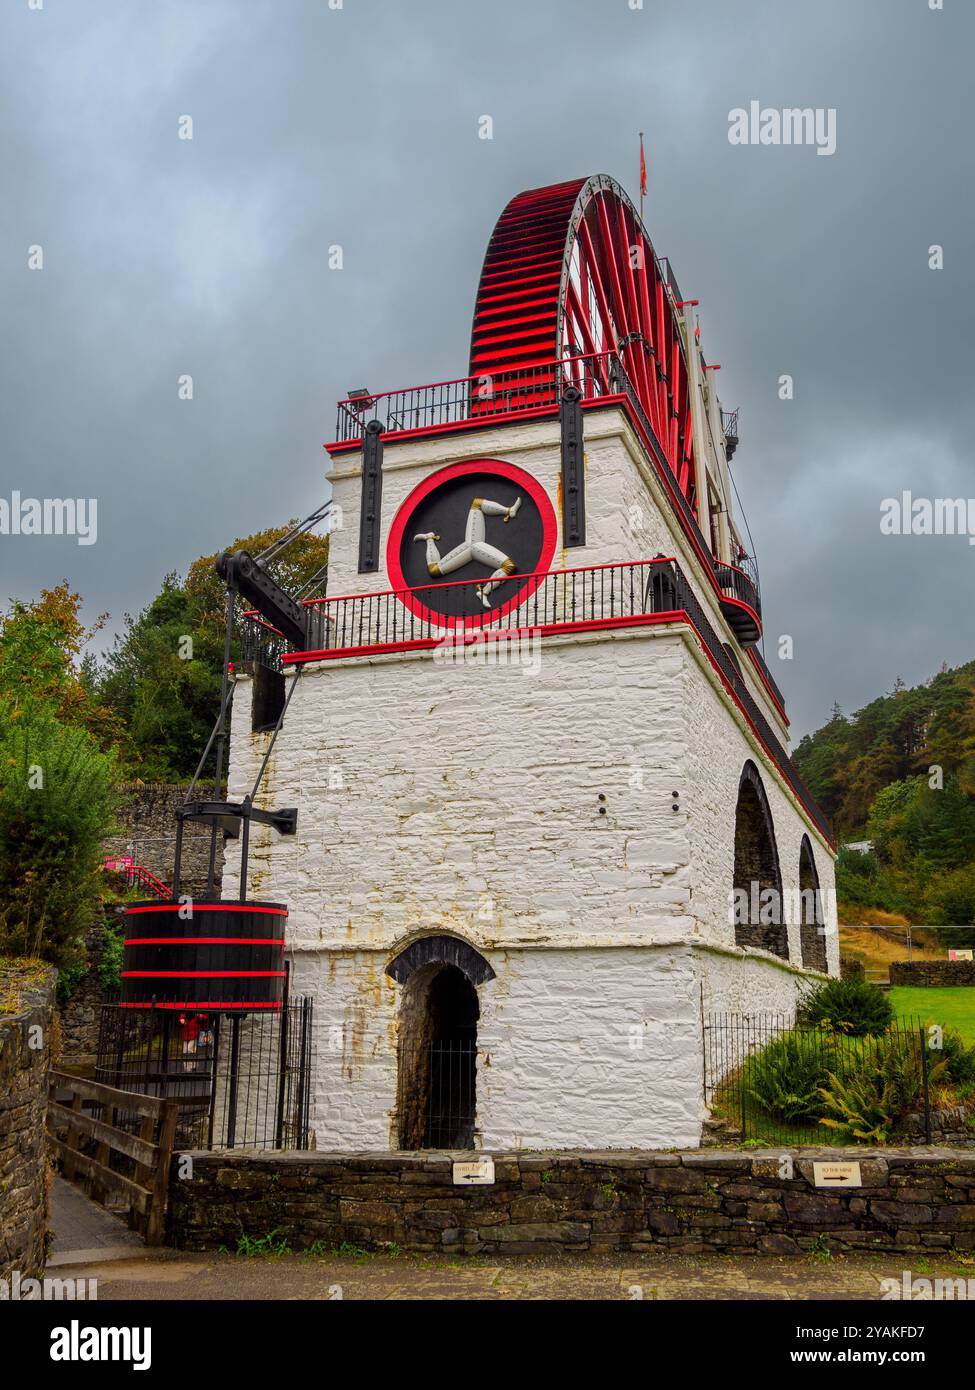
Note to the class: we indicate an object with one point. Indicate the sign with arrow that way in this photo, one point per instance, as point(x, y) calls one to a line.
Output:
point(479, 1170)
point(836, 1175)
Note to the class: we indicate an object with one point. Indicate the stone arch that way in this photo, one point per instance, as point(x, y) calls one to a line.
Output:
point(436, 1100)
point(759, 916)
point(812, 937)
point(445, 950)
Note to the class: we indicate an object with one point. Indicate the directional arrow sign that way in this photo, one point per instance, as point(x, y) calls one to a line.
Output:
point(480, 1170)
point(836, 1174)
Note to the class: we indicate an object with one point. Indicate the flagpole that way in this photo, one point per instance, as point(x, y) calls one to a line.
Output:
point(641, 175)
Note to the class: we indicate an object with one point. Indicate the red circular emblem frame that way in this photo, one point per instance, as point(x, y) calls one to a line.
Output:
point(429, 484)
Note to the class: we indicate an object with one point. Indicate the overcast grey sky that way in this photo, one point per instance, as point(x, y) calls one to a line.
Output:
point(358, 126)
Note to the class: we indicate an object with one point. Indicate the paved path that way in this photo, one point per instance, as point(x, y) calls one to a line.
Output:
point(169, 1275)
point(83, 1231)
point(92, 1243)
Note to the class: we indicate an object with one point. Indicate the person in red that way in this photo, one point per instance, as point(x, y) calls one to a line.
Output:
point(194, 1031)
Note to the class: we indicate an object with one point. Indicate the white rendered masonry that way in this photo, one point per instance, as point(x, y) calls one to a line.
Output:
point(527, 809)
point(465, 800)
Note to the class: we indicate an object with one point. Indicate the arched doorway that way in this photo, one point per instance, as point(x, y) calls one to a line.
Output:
point(812, 939)
point(437, 1075)
point(759, 917)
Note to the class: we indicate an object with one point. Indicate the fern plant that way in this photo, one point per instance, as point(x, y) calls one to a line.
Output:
point(786, 1078)
point(866, 1104)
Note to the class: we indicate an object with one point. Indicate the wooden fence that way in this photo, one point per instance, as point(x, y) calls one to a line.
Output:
point(110, 1134)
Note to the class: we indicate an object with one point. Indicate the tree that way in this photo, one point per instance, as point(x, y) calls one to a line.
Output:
point(40, 650)
point(162, 677)
point(901, 772)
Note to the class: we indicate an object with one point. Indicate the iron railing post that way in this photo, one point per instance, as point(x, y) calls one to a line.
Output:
point(924, 1075)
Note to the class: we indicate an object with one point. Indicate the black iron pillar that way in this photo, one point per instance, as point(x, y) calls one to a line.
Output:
point(221, 736)
point(371, 498)
point(573, 468)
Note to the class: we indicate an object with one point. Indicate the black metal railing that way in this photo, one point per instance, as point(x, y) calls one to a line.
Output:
point(239, 1081)
point(671, 279)
point(764, 1076)
point(440, 612)
point(737, 582)
point(476, 398)
point(600, 594)
point(729, 426)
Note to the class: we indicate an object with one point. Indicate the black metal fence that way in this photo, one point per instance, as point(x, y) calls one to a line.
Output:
point(764, 1076)
point(240, 1080)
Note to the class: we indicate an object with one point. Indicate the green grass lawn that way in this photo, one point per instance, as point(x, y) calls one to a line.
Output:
point(951, 1007)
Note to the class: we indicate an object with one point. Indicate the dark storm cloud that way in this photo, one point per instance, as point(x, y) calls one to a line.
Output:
point(358, 127)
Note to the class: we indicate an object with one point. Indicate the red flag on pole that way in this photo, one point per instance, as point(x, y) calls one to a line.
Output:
point(643, 169)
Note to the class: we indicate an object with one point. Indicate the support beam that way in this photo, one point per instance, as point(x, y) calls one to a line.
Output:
point(370, 504)
point(573, 468)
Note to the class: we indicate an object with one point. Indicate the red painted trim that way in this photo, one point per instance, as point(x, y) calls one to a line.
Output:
point(485, 634)
point(209, 907)
point(203, 974)
point(765, 681)
point(479, 422)
point(740, 603)
point(205, 941)
point(205, 1006)
point(429, 484)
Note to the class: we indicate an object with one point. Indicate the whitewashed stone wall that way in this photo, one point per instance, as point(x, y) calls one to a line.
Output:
point(527, 809)
point(465, 800)
point(593, 1048)
point(469, 797)
point(596, 1048)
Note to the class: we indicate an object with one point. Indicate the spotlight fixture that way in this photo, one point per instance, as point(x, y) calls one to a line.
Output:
point(360, 399)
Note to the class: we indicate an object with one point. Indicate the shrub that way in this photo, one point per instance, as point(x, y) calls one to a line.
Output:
point(958, 1058)
point(850, 1006)
point(57, 803)
point(110, 964)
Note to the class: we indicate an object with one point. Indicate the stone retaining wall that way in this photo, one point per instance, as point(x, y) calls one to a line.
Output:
point(701, 1201)
point(147, 820)
point(952, 1127)
point(80, 1014)
point(26, 1002)
point(932, 972)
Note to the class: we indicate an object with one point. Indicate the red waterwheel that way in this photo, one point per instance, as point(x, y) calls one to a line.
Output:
point(570, 274)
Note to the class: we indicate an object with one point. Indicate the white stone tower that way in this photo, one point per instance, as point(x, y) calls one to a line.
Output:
point(536, 750)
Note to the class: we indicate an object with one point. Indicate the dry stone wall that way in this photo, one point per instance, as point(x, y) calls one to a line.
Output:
point(705, 1201)
point(26, 1003)
point(938, 973)
point(147, 830)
